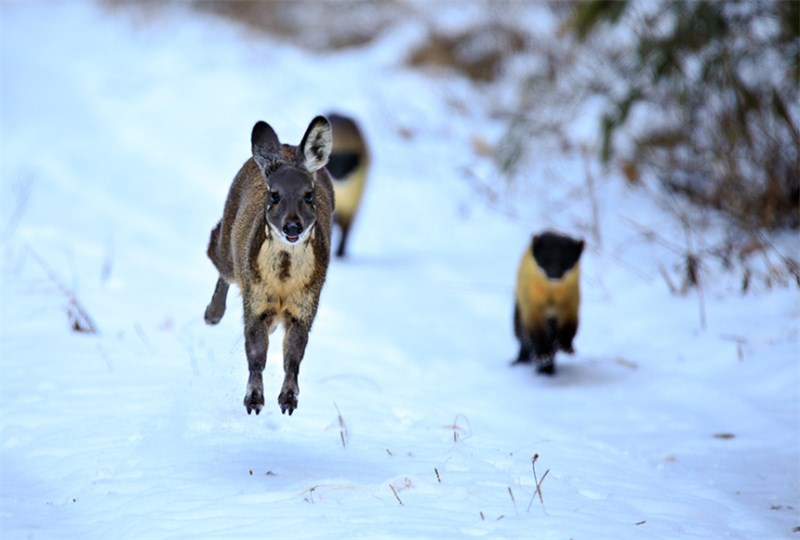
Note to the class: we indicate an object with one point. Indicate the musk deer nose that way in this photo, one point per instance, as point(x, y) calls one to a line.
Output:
point(292, 228)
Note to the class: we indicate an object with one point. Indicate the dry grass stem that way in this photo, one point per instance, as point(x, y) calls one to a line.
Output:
point(538, 482)
point(343, 433)
point(457, 429)
point(587, 156)
point(513, 500)
point(396, 496)
point(672, 288)
point(78, 317)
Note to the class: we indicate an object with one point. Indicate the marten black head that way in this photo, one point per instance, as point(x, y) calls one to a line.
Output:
point(556, 254)
point(342, 164)
point(343, 159)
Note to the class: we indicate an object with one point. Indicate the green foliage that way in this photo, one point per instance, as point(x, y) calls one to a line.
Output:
point(589, 14)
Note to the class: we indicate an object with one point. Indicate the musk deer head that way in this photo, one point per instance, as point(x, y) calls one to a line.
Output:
point(290, 199)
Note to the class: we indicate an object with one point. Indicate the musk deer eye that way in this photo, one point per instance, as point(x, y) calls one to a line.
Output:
point(274, 197)
point(309, 197)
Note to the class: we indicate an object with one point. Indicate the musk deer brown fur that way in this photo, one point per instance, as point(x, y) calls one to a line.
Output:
point(273, 241)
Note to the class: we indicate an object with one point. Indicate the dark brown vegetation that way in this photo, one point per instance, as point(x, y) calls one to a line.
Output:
point(312, 24)
point(720, 78)
point(478, 53)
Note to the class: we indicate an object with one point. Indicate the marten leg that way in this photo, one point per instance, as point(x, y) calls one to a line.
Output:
point(294, 347)
point(544, 348)
point(566, 333)
point(256, 342)
point(525, 346)
point(216, 308)
point(344, 229)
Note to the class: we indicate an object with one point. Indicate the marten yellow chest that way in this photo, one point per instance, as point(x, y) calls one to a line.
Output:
point(540, 298)
point(286, 271)
point(348, 192)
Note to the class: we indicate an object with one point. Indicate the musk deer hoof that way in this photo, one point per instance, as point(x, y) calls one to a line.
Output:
point(254, 400)
point(288, 401)
point(214, 314)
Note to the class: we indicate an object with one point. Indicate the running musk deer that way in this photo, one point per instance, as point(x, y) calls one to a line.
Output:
point(273, 241)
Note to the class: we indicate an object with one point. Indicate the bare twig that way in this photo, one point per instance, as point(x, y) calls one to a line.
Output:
point(693, 273)
point(106, 357)
point(740, 343)
point(539, 486)
point(79, 318)
point(22, 190)
point(438, 478)
point(343, 434)
point(513, 500)
point(396, 496)
point(592, 197)
point(143, 336)
point(310, 492)
point(672, 289)
point(457, 429)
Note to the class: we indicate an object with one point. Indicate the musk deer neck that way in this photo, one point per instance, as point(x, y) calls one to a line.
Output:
point(285, 266)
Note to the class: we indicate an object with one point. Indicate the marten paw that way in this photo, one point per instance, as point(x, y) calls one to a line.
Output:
point(254, 399)
point(546, 366)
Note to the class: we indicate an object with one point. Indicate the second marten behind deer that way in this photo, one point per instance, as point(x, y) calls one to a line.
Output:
point(348, 166)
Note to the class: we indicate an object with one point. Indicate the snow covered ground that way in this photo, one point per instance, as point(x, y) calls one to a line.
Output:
point(119, 141)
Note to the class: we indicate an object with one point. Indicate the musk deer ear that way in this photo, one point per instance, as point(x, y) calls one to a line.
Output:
point(581, 244)
point(266, 147)
point(315, 148)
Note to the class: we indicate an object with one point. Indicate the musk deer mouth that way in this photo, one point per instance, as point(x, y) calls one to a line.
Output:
point(291, 238)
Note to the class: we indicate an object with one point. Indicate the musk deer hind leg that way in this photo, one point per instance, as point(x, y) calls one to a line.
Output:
point(294, 347)
point(256, 342)
point(216, 308)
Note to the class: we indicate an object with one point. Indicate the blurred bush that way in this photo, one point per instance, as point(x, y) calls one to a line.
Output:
point(716, 85)
point(318, 26)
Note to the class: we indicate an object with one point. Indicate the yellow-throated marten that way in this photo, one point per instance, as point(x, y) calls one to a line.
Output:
point(347, 165)
point(546, 299)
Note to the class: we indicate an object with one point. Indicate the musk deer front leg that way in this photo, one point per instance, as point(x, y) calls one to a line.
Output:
point(255, 344)
point(294, 347)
